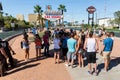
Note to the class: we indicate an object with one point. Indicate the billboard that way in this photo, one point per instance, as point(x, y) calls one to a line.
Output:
point(52, 15)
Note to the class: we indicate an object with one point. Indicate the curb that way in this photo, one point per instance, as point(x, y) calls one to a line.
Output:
point(10, 37)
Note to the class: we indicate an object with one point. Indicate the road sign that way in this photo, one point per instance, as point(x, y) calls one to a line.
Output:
point(91, 9)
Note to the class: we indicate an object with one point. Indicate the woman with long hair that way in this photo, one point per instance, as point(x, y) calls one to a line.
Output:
point(80, 45)
point(57, 44)
point(38, 43)
point(25, 45)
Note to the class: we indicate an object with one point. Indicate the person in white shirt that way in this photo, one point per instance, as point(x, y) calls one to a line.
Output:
point(91, 46)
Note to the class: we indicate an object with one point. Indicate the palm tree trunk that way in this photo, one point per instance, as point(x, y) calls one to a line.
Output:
point(41, 22)
point(59, 21)
point(39, 19)
point(63, 21)
point(62, 18)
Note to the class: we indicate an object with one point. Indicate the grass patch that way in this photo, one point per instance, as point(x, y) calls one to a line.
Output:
point(4, 35)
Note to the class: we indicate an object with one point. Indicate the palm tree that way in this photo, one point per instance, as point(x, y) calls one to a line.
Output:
point(1, 6)
point(63, 9)
point(6, 14)
point(39, 12)
point(1, 17)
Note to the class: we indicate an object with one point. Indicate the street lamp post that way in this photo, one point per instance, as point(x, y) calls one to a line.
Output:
point(13, 25)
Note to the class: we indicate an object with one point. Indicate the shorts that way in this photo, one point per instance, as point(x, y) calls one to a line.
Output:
point(80, 51)
point(71, 55)
point(106, 55)
point(91, 57)
point(56, 50)
point(38, 47)
point(64, 51)
point(25, 47)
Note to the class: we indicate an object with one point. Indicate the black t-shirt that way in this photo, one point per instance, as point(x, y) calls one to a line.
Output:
point(0, 46)
point(5, 45)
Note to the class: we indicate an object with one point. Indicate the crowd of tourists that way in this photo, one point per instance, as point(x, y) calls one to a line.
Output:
point(75, 46)
point(70, 46)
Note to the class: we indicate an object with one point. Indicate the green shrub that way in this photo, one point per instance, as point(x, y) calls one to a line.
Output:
point(7, 25)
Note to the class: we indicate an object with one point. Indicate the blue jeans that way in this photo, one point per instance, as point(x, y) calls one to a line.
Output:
point(46, 49)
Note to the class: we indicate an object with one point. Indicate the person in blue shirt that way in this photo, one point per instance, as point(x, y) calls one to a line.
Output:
point(107, 48)
point(64, 45)
point(71, 55)
point(34, 31)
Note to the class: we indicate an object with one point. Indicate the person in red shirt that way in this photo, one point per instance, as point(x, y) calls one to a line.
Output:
point(38, 43)
point(46, 44)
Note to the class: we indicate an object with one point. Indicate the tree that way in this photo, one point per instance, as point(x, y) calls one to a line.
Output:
point(8, 20)
point(63, 9)
point(6, 14)
point(1, 20)
point(1, 17)
point(1, 6)
point(117, 18)
point(112, 22)
point(39, 12)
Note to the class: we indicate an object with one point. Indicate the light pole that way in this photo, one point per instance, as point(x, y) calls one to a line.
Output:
point(13, 25)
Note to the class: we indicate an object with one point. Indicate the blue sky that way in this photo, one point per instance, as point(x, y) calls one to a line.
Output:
point(76, 9)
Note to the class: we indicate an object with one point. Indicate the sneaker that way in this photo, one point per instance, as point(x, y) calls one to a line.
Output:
point(105, 71)
point(73, 66)
point(57, 62)
point(96, 73)
point(90, 72)
point(67, 65)
point(79, 66)
point(25, 59)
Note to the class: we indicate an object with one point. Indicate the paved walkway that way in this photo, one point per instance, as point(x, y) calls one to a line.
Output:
point(113, 74)
point(43, 69)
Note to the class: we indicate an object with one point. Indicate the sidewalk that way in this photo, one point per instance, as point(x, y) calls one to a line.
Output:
point(42, 69)
point(45, 69)
point(82, 73)
point(113, 74)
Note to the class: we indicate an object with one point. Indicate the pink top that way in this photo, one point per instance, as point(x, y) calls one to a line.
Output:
point(38, 42)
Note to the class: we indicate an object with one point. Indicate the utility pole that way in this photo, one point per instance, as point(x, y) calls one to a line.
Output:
point(105, 10)
point(96, 19)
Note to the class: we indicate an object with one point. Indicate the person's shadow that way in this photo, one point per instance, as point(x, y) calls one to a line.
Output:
point(114, 62)
point(21, 65)
point(22, 68)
